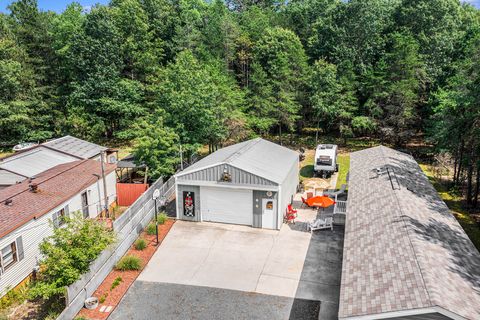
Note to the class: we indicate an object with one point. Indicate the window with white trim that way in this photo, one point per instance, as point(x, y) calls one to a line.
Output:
point(58, 218)
point(8, 256)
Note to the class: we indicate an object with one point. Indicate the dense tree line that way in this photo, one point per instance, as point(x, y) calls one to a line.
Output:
point(170, 73)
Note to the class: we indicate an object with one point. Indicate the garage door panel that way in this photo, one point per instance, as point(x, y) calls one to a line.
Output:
point(227, 205)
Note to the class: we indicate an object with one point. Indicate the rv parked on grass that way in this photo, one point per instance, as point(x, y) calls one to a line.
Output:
point(326, 160)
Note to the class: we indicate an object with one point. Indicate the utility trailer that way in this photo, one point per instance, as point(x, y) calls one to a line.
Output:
point(326, 160)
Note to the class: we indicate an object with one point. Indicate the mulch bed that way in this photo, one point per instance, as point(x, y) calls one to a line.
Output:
point(113, 297)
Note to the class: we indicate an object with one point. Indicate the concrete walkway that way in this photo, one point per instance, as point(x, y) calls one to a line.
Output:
point(254, 267)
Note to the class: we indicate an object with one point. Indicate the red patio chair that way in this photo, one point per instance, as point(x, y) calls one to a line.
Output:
point(305, 203)
point(290, 209)
point(290, 217)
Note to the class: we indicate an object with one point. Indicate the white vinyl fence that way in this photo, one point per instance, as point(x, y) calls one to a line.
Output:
point(127, 229)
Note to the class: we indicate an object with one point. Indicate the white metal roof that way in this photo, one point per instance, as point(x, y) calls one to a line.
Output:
point(8, 178)
point(77, 147)
point(34, 161)
point(257, 156)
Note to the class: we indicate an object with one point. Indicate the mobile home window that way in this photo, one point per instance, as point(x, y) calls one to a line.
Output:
point(59, 218)
point(9, 256)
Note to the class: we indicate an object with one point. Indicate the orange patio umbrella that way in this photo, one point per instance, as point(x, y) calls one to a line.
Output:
point(320, 201)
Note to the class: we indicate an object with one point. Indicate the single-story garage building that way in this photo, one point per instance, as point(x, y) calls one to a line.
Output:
point(249, 183)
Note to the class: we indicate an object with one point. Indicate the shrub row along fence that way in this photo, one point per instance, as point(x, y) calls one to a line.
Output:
point(127, 229)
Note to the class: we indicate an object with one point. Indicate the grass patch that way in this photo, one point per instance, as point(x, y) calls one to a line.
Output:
point(306, 166)
point(343, 161)
point(140, 244)
point(129, 263)
point(454, 203)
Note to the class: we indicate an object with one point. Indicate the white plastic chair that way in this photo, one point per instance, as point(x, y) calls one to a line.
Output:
point(321, 224)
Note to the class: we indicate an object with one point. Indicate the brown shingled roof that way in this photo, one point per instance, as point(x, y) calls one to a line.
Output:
point(55, 186)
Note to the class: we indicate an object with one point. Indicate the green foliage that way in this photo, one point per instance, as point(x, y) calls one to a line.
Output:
point(129, 263)
point(162, 218)
point(151, 228)
point(140, 244)
point(157, 146)
point(103, 297)
point(343, 161)
point(188, 73)
point(67, 254)
point(116, 283)
point(278, 80)
point(14, 296)
point(199, 100)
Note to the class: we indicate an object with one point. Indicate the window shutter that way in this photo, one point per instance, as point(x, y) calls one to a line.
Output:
point(20, 252)
point(67, 211)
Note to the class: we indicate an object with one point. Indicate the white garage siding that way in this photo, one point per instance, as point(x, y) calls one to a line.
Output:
point(256, 166)
point(288, 190)
point(227, 205)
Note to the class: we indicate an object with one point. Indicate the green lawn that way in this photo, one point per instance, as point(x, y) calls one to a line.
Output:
point(344, 166)
point(454, 203)
point(306, 166)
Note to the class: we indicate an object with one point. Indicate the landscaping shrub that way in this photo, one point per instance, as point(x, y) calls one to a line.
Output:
point(140, 244)
point(162, 218)
point(129, 263)
point(103, 297)
point(14, 296)
point(116, 282)
point(151, 228)
point(67, 254)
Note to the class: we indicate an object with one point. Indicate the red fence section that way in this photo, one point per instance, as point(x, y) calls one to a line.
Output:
point(127, 193)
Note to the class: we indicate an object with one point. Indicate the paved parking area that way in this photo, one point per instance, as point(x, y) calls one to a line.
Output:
point(218, 271)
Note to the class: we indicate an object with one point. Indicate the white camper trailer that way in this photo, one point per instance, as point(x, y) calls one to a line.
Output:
point(326, 160)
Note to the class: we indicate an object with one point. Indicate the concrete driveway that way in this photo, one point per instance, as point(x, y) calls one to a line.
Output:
point(219, 271)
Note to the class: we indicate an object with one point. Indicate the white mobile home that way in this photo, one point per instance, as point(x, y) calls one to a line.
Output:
point(249, 183)
point(30, 162)
point(29, 210)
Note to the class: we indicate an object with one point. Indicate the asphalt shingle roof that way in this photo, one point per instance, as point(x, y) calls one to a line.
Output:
point(403, 249)
point(55, 186)
point(257, 156)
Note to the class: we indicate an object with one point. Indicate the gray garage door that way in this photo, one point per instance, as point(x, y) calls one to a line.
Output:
point(227, 205)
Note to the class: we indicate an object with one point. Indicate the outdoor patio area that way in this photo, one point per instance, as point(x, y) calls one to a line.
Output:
point(249, 272)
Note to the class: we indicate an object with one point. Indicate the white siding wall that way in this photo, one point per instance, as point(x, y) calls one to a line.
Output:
point(288, 189)
point(35, 231)
point(95, 195)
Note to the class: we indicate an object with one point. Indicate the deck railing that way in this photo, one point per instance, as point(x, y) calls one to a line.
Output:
point(340, 207)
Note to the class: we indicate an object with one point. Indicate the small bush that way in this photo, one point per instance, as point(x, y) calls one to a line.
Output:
point(140, 244)
point(14, 296)
point(151, 229)
point(129, 263)
point(116, 282)
point(162, 218)
point(103, 297)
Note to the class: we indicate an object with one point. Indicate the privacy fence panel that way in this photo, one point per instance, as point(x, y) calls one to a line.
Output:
point(127, 229)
